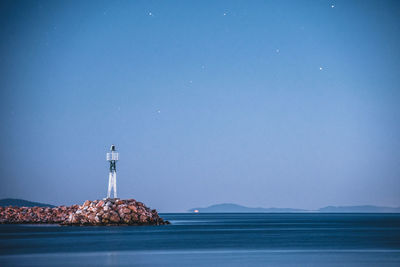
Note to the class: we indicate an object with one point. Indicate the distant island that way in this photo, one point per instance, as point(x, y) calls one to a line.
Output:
point(15, 202)
point(233, 208)
point(365, 208)
point(229, 207)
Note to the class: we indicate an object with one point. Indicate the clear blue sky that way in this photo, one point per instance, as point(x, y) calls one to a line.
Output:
point(261, 103)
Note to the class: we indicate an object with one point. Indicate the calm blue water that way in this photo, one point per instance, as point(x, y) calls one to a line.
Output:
point(212, 240)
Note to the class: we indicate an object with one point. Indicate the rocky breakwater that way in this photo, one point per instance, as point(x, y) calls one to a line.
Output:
point(114, 212)
point(97, 212)
point(36, 214)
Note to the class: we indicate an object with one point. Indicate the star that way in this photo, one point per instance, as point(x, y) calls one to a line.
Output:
point(158, 111)
point(224, 14)
point(320, 68)
point(332, 6)
point(150, 14)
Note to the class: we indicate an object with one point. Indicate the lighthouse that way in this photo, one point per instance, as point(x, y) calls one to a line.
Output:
point(112, 157)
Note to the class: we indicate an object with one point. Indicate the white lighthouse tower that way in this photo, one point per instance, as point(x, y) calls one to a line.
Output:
point(112, 157)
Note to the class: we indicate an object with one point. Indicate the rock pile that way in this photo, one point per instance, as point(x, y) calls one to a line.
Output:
point(97, 212)
point(114, 212)
point(36, 214)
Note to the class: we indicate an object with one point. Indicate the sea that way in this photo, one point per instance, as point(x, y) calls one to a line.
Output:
point(224, 239)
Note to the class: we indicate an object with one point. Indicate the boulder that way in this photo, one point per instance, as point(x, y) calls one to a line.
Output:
point(132, 208)
point(114, 218)
point(100, 204)
point(87, 203)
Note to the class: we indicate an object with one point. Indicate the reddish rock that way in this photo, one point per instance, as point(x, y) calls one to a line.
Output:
point(91, 217)
point(106, 216)
point(125, 210)
point(114, 218)
point(127, 218)
point(86, 204)
point(135, 217)
point(132, 208)
point(143, 218)
point(100, 204)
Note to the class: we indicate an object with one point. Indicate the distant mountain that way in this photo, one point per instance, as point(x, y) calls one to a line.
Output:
point(233, 208)
point(21, 203)
point(366, 208)
point(229, 207)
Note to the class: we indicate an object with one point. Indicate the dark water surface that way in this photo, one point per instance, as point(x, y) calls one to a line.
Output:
point(257, 239)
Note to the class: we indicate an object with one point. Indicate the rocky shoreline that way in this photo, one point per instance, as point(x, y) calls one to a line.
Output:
point(97, 212)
